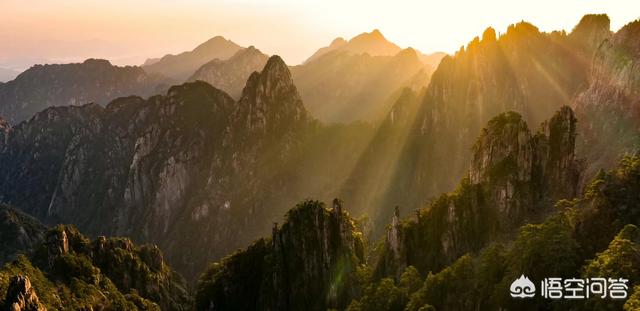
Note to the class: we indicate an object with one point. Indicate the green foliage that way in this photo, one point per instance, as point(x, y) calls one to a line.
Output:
point(620, 260)
point(382, 295)
point(236, 282)
point(633, 303)
point(45, 288)
point(450, 289)
point(410, 280)
point(71, 273)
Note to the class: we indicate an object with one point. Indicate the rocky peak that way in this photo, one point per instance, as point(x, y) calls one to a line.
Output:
point(522, 29)
point(507, 154)
point(310, 265)
point(608, 109)
point(232, 74)
point(489, 35)
point(514, 177)
point(338, 42)
point(57, 243)
point(270, 100)
point(212, 45)
point(591, 31)
point(504, 146)
point(97, 63)
point(21, 296)
point(408, 54)
point(627, 38)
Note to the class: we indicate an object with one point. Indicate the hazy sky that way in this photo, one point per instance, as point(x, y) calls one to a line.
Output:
point(127, 32)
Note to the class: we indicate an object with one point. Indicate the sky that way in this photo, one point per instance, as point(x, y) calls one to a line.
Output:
point(128, 32)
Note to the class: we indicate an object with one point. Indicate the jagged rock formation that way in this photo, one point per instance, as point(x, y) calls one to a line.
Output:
point(609, 107)
point(21, 296)
point(593, 234)
point(94, 80)
point(590, 33)
point(308, 264)
point(372, 43)
point(341, 86)
point(514, 178)
point(72, 273)
point(180, 67)
point(522, 70)
point(231, 75)
point(184, 171)
point(19, 233)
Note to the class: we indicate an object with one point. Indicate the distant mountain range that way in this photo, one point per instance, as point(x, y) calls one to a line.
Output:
point(231, 75)
point(93, 80)
point(354, 80)
point(181, 66)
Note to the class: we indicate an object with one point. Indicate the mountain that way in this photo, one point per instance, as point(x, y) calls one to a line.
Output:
point(231, 75)
point(358, 80)
point(523, 70)
point(593, 234)
point(67, 271)
point(192, 171)
point(344, 87)
point(372, 43)
point(609, 106)
point(179, 67)
point(94, 80)
point(20, 233)
point(515, 177)
point(507, 219)
point(295, 269)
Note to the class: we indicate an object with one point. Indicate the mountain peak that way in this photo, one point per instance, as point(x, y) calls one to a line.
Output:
point(588, 21)
point(213, 42)
point(179, 67)
point(489, 35)
point(276, 64)
point(338, 42)
point(372, 43)
point(374, 35)
point(97, 62)
point(270, 101)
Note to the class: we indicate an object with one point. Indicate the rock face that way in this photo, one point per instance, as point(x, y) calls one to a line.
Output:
point(522, 70)
point(308, 264)
point(94, 80)
point(4, 132)
point(514, 178)
point(231, 75)
point(590, 32)
point(19, 233)
point(609, 107)
point(21, 296)
point(185, 170)
point(180, 67)
point(73, 273)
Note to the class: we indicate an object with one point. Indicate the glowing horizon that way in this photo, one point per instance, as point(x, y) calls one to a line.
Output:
point(128, 33)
